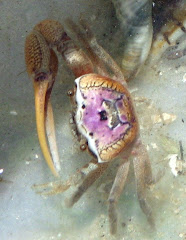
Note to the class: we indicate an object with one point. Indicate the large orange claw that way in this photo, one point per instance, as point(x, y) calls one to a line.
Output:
point(42, 64)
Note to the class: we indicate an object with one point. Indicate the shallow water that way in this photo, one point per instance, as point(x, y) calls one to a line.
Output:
point(158, 89)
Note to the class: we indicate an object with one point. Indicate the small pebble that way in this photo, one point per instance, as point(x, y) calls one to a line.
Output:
point(59, 235)
point(184, 78)
point(176, 211)
point(181, 235)
point(13, 112)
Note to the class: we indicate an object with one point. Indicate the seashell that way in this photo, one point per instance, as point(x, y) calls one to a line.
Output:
point(136, 23)
point(149, 28)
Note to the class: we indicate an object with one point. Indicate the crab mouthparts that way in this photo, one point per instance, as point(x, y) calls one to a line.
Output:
point(103, 115)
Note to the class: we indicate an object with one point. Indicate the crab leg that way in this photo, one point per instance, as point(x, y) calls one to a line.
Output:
point(141, 167)
point(115, 193)
point(80, 181)
point(91, 172)
point(42, 67)
point(101, 60)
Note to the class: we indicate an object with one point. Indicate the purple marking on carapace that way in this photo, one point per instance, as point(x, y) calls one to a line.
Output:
point(102, 132)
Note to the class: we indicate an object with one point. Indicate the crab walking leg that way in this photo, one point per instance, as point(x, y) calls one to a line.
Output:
point(100, 58)
point(149, 178)
point(51, 188)
point(140, 150)
point(41, 65)
point(102, 55)
point(140, 169)
point(83, 176)
point(115, 193)
point(83, 39)
point(148, 170)
point(91, 172)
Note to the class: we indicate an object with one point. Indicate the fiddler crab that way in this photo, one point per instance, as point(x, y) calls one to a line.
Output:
point(103, 112)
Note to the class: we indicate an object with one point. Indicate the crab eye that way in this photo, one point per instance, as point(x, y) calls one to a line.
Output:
point(83, 147)
point(70, 93)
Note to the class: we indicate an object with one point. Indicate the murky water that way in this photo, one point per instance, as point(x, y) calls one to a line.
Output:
point(159, 92)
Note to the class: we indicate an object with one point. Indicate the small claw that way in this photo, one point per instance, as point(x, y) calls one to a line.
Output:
point(42, 67)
